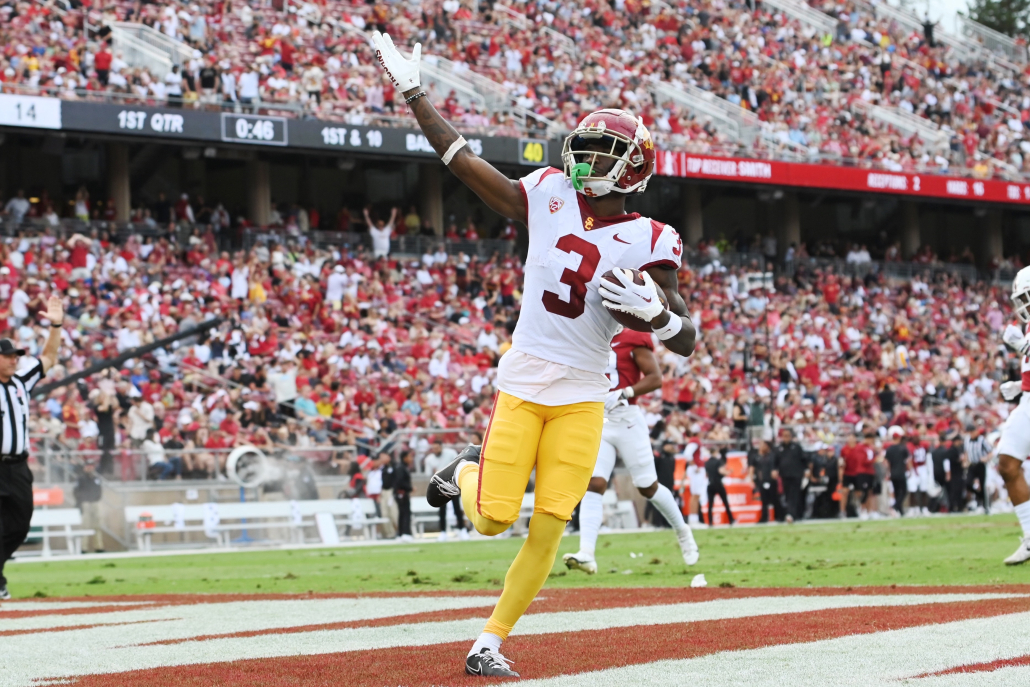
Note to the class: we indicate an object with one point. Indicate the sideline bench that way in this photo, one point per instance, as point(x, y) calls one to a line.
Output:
point(219, 521)
point(59, 522)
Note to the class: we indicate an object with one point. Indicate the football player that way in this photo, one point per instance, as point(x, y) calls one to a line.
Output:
point(549, 409)
point(1014, 445)
point(633, 371)
point(920, 478)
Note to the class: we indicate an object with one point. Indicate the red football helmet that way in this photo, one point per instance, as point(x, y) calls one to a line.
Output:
point(609, 135)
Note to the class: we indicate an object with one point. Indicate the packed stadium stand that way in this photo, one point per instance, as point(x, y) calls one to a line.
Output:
point(323, 349)
point(842, 83)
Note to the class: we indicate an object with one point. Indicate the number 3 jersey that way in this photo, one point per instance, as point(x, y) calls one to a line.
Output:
point(563, 337)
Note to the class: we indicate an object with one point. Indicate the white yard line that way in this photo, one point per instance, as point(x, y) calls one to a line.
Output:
point(1015, 676)
point(7, 606)
point(192, 620)
point(111, 649)
point(879, 659)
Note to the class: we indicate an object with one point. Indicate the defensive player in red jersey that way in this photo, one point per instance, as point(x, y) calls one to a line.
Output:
point(633, 371)
point(549, 410)
point(1014, 445)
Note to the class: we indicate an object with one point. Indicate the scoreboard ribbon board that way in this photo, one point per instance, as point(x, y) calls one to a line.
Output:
point(189, 126)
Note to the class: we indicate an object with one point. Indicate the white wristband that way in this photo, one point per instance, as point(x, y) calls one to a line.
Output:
point(453, 150)
point(628, 392)
point(671, 329)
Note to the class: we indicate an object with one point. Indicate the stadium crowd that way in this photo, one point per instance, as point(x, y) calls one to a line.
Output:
point(331, 352)
point(561, 60)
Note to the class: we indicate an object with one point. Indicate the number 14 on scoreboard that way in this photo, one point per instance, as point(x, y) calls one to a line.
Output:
point(30, 111)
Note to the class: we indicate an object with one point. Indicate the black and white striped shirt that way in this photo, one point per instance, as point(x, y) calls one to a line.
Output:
point(14, 410)
point(977, 449)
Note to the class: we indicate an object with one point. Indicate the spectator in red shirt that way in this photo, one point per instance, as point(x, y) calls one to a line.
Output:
point(102, 64)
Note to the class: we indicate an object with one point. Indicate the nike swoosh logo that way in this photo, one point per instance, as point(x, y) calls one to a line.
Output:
point(616, 237)
point(475, 671)
point(646, 300)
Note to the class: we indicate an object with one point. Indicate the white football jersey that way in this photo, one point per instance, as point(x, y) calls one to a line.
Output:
point(562, 318)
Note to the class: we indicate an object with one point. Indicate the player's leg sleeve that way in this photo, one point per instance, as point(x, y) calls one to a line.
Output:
point(492, 495)
point(591, 509)
point(591, 513)
point(527, 574)
point(664, 501)
point(569, 445)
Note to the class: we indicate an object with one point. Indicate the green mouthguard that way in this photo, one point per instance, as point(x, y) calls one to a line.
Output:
point(580, 169)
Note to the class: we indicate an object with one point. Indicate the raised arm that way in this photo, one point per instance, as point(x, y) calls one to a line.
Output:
point(54, 313)
point(500, 193)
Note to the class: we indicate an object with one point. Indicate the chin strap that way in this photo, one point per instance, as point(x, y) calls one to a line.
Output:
point(580, 169)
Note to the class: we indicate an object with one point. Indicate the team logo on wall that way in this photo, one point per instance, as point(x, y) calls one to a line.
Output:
point(556, 204)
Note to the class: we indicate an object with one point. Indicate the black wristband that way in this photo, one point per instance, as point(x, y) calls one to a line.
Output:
point(418, 95)
point(57, 326)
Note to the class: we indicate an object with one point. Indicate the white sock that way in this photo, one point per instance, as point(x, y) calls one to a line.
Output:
point(1023, 513)
point(591, 511)
point(486, 640)
point(665, 502)
point(693, 520)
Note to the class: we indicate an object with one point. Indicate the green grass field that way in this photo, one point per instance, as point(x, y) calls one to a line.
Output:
point(937, 551)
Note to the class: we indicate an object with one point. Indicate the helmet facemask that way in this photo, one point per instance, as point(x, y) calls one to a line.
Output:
point(1021, 295)
point(1021, 304)
point(595, 159)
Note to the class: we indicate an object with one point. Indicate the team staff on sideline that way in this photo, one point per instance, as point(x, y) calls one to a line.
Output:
point(15, 476)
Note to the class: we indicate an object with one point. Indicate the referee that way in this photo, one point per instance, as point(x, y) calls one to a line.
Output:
point(15, 476)
point(978, 452)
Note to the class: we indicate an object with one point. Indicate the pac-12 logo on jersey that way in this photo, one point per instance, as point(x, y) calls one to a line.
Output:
point(555, 205)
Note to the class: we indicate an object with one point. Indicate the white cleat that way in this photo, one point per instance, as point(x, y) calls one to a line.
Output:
point(579, 561)
point(443, 536)
point(1022, 554)
point(463, 535)
point(689, 547)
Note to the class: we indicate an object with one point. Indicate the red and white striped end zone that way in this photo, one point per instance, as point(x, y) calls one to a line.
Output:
point(925, 636)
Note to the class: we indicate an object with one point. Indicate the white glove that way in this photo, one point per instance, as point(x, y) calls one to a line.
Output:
point(614, 399)
point(1013, 336)
point(639, 300)
point(1010, 391)
point(403, 71)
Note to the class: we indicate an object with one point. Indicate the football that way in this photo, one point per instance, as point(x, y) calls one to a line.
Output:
point(625, 319)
